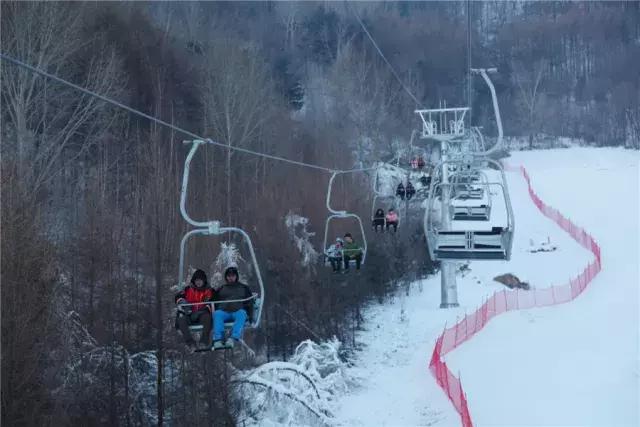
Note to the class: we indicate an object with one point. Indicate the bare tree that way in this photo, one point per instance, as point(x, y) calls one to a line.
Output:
point(633, 128)
point(528, 79)
point(237, 98)
point(44, 125)
point(45, 118)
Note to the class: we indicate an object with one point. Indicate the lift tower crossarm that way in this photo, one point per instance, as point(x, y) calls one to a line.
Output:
point(443, 123)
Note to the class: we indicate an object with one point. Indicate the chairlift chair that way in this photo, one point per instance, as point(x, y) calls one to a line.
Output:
point(213, 228)
point(447, 243)
point(334, 214)
point(471, 206)
point(377, 195)
point(468, 184)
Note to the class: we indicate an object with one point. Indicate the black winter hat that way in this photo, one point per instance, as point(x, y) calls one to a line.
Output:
point(231, 270)
point(199, 274)
point(348, 235)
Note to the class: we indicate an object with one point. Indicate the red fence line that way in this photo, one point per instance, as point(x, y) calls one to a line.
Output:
point(503, 301)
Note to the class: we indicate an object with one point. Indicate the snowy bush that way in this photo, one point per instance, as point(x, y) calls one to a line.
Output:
point(91, 369)
point(388, 179)
point(229, 256)
point(297, 227)
point(301, 392)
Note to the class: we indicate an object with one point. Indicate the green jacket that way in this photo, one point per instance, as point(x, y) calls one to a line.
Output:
point(351, 249)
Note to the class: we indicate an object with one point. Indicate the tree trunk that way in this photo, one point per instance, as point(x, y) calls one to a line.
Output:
point(159, 323)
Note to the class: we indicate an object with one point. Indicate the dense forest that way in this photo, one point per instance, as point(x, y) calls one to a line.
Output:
point(90, 193)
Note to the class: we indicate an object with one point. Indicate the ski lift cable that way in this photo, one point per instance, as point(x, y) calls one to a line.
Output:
point(169, 125)
point(393, 71)
point(469, 94)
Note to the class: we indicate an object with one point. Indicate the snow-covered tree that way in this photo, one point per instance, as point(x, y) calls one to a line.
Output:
point(297, 226)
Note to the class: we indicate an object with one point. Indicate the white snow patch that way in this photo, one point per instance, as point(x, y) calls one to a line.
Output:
point(574, 364)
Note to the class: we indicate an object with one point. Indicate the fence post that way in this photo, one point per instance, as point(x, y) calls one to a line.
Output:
point(444, 331)
point(494, 297)
point(455, 334)
point(466, 327)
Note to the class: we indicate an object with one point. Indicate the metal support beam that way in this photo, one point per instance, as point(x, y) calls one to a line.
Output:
point(448, 290)
point(448, 286)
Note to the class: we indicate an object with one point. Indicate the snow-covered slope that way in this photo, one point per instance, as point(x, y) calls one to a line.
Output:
point(576, 363)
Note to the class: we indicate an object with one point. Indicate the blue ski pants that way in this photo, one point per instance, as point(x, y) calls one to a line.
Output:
point(239, 318)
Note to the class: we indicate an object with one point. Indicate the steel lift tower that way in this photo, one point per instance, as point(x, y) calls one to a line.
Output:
point(450, 236)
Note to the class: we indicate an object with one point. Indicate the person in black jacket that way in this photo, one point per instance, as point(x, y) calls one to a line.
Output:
point(400, 191)
point(378, 220)
point(236, 311)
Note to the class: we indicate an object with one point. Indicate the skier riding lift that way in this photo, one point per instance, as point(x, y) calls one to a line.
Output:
point(351, 251)
point(400, 191)
point(190, 311)
point(236, 311)
point(334, 254)
point(378, 220)
point(392, 219)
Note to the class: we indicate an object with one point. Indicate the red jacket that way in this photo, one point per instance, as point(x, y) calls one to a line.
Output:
point(194, 294)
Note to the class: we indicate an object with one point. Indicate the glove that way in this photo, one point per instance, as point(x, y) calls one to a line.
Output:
point(185, 309)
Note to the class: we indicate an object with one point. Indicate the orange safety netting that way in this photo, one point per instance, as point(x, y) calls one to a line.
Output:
point(501, 302)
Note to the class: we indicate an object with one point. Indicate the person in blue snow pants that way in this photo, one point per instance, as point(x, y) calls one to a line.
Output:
point(236, 311)
point(239, 318)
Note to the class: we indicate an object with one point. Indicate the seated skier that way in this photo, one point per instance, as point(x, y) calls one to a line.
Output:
point(378, 220)
point(414, 163)
point(410, 191)
point(400, 191)
point(421, 163)
point(334, 254)
point(197, 292)
point(424, 181)
point(236, 311)
point(351, 251)
point(392, 220)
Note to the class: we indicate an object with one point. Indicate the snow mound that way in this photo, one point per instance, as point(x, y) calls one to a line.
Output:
point(543, 246)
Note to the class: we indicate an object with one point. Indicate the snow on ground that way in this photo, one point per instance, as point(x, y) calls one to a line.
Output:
point(575, 364)
point(572, 364)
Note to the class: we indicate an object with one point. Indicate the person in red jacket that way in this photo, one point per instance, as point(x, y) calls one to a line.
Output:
point(190, 312)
